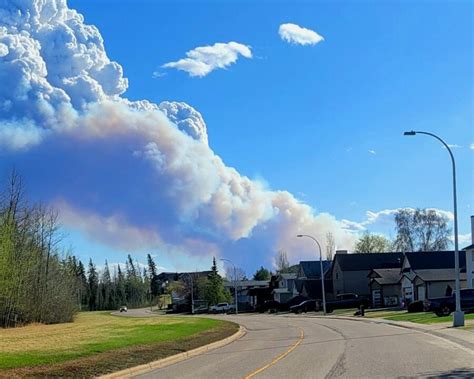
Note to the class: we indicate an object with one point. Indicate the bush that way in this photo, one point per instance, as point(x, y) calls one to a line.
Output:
point(416, 306)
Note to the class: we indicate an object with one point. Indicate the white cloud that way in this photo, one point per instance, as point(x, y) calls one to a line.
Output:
point(59, 85)
point(296, 34)
point(471, 146)
point(158, 74)
point(205, 59)
point(373, 152)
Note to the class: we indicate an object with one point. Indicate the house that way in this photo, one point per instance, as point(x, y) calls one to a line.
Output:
point(470, 265)
point(385, 287)
point(428, 274)
point(250, 293)
point(308, 282)
point(470, 259)
point(283, 287)
point(350, 271)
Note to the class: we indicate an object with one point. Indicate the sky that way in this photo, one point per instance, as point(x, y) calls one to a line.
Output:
point(262, 120)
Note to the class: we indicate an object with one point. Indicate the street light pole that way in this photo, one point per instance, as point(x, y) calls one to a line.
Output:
point(321, 268)
point(235, 284)
point(458, 319)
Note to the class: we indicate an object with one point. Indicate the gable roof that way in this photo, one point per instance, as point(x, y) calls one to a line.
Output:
point(440, 275)
point(385, 276)
point(431, 260)
point(368, 261)
point(470, 247)
point(312, 269)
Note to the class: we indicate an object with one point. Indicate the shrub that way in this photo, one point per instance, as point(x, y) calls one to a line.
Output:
point(416, 306)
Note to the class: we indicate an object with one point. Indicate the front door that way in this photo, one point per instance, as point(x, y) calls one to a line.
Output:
point(421, 292)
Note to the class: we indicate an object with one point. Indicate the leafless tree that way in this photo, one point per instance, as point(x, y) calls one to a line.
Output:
point(330, 246)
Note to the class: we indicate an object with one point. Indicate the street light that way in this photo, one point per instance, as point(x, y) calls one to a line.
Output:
point(458, 319)
point(192, 291)
point(321, 267)
point(235, 284)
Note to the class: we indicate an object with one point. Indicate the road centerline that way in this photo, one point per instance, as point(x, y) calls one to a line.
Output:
point(279, 357)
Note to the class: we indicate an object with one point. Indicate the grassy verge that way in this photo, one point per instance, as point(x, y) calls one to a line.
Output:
point(420, 318)
point(98, 343)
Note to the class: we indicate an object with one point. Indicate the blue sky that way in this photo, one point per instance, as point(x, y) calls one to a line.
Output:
point(323, 121)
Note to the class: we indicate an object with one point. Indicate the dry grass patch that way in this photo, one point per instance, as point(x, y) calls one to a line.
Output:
point(98, 343)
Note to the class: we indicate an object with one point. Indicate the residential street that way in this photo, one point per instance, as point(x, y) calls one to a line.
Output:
point(305, 347)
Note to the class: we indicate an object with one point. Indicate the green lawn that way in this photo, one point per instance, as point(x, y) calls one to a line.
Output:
point(421, 318)
point(98, 335)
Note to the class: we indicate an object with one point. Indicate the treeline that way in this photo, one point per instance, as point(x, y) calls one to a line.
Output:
point(36, 284)
point(106, 290)
point(40, 282)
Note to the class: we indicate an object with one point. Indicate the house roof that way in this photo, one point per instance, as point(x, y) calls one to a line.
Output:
point(439, 275)
point(368, 261)
point(429, 260)
point(247, 283)
point(385, 276)
point(312, 269)
point(312, 287)
point(470, 247)
point(173, 276)
point(288, 276)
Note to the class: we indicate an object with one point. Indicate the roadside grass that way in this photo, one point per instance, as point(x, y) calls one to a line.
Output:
point(97, 343)
point(420, 318)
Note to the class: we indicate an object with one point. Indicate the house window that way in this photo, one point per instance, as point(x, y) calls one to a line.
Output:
point(337, 275)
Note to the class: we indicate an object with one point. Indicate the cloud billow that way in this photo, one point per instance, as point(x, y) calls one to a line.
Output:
point(204, 59)
point(134, 175)
point(298, 35)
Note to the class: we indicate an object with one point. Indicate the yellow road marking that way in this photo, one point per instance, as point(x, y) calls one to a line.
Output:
point(280, 357)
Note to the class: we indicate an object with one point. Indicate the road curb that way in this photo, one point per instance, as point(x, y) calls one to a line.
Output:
point(142, 369)
point(458, 341)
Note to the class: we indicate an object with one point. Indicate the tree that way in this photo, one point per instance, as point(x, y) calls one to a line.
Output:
point(421, 230)
point(92, 286)
point(238, 275)
point(282, 263)
point(215, 291)
point(262, 274)
point(330, 246)
point(372, 243)
point(155, 287)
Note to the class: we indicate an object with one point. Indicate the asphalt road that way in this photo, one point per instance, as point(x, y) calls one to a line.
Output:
point(308, 347)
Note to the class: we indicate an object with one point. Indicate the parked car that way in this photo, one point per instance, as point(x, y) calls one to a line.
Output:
point(222, 308)
point(272, 306)
point(347, 301)
point(444, 306)
point(123, 308)
point(305, 306)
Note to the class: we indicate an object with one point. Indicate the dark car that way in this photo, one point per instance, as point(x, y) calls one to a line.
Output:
point(444, 306)
point(305, 306)
point(272, 306)
point(347, 301)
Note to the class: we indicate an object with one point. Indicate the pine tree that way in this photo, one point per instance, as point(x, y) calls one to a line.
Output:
point(92, 286)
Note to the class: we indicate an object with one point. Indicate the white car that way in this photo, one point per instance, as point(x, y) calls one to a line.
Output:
point(222, 308)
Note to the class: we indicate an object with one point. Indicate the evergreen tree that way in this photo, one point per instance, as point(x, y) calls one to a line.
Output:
point(92, 286)
point(215, 292)
point(154, 282)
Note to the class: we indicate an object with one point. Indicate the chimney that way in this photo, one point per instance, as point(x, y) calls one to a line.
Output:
point(472, 229)
point(341, 251)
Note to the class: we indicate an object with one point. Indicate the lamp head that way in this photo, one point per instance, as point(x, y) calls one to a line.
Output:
point(299, 235)
point(410, 133)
